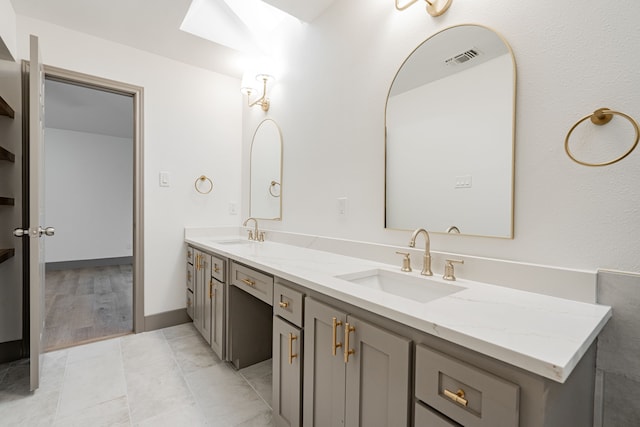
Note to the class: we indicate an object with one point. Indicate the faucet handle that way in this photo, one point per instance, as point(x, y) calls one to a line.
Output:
point(449, 273)
point(260, 237)
point(250, 234)
point(406, 261)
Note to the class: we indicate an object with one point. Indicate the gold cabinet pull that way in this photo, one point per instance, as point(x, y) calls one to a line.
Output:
point(216, 269)
point(347, 351)
point(457, 397)
point(334, 344)
point(248, 282)
point(210, 288)
point(292, 356)
point(197, 266)
point(189, 275)
point(283, 304)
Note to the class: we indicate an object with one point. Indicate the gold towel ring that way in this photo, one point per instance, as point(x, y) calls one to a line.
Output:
point(601, 117)
point(203, 178)
point(272, 186)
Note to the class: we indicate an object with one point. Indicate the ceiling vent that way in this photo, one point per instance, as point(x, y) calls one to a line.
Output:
point(463, 57)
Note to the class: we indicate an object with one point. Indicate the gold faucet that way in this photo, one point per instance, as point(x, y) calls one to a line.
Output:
point(254, 234)
point(426, 259)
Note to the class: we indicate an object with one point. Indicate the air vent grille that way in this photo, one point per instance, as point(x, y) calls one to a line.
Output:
point(463, 57)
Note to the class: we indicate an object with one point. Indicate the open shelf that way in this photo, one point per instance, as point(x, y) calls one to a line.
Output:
point(7, 201)
point(5, 254)
point(7, 155)
point(5, 109)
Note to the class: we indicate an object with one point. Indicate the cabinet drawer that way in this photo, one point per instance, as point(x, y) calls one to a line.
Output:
point(190, 278)
point(427, 417)
point(287, 303)
point(189, 255)
point(464, 393)
point(253, 282)
point(217, 268)
point(190, 303)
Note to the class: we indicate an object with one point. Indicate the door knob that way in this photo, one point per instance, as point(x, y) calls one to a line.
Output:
point(19, 232)
point(49, 231)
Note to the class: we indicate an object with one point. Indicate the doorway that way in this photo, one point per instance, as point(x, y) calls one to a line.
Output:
point(93, 192)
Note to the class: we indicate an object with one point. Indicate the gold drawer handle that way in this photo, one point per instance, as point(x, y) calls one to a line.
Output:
point(335, 345)
point(216, 269)
point(210, 288)
point(292, 356)
point(189, 275)
point(347, 351)
point(248, 282)
point(283, 304)
point(457, 397)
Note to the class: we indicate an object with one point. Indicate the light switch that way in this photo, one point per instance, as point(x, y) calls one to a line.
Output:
point(342, 205)
point(233, 208)
point(165, 179)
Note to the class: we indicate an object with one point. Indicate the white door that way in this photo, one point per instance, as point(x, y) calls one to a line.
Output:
point(36, 210)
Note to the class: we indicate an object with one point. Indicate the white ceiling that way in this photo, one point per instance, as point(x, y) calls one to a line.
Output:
point(83, 109)
point(149, 25)
point(154, 26)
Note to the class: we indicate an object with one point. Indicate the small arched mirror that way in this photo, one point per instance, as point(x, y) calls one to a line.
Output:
point(265, 200)
point(450, 136)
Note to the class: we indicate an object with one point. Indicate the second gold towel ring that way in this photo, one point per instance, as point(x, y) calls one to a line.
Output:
point(201, 179)
point(601, 117)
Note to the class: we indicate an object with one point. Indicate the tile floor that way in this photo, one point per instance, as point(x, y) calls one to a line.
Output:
point(168, 377)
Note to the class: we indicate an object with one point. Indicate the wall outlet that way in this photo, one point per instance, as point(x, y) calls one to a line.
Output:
point(463, 181)
point(165, 179)
point(342, 205)
point(233, 208)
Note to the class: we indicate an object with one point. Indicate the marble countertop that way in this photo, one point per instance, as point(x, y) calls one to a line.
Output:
point(541, 334)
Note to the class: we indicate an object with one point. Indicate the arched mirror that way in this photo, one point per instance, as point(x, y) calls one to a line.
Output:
point(265, 201)
point(450, 136)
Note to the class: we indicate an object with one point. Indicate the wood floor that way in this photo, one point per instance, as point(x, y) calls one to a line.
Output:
point(86, 304)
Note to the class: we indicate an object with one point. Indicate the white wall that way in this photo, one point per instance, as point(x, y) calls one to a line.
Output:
point(192, 126)
point(89, 195)
point(572, 57)
point(7, 31)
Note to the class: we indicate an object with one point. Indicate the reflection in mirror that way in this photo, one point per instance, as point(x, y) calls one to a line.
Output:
point(265, 200)
point(450, 136)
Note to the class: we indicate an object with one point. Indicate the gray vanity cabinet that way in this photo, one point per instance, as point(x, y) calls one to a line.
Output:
point(217, 301)
point(203, 285)
point(287, 373)
point(355, 373)
point(190, 280)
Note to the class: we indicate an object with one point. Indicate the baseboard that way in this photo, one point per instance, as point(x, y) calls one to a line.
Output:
point(10, 351)
point(87, 263)
point(166, 319)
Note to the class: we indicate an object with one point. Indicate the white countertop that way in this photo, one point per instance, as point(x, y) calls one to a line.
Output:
point(541, 334)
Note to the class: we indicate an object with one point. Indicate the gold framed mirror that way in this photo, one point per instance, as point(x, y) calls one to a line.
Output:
point(265, 190)
point(449, 135)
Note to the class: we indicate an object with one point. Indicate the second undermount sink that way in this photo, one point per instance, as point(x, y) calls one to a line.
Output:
point(422, 289)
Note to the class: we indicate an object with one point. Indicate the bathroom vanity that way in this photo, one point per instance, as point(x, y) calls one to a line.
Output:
point(356, 342)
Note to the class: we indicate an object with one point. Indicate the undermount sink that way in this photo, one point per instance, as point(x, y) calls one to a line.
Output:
point(233, 242)
point(422, 289)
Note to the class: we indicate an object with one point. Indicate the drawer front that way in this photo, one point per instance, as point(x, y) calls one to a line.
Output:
point(218, 266)
point(288, 303)
point(190, 278)
point(427, 417)
point(190, 303)
point(189, 255)
point(253, 282)
point(464, 393)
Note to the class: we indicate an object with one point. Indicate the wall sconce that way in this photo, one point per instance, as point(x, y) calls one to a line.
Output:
point(263, 101)
point(434, 7)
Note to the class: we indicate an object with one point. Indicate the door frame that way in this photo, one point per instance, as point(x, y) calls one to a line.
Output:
point(137, 93)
